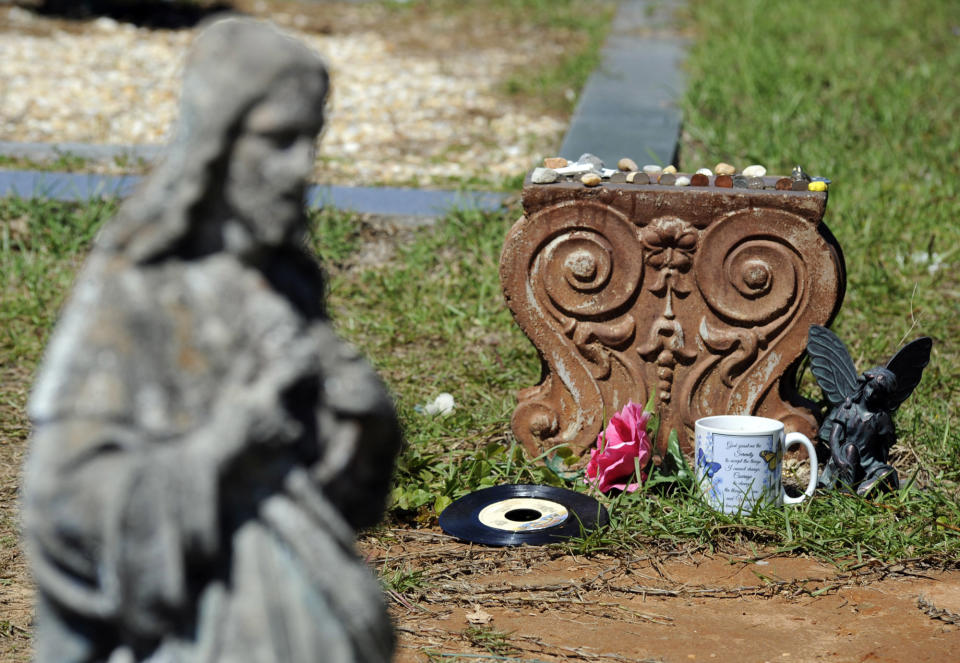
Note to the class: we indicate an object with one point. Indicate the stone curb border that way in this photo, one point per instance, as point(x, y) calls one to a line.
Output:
point(627, 108)
point(628, 105)
point(411, 204)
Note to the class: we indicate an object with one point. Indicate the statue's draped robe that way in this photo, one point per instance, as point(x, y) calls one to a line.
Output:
point(146, 549)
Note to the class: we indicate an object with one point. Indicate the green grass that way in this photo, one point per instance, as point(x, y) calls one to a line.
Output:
point(774, 84)
point(818, 84)
point(41, 245)
point(492, 639)
point(869, 99)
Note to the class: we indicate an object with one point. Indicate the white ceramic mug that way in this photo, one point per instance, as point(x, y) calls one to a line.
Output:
point(739, 462)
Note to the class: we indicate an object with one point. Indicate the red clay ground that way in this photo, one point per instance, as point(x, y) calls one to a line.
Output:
point(528, 604)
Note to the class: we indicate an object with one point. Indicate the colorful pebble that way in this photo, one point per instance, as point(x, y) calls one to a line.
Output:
point(755, 170)
point(589, 169)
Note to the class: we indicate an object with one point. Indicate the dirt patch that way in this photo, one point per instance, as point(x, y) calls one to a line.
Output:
point(16, 593)
point(533, 603)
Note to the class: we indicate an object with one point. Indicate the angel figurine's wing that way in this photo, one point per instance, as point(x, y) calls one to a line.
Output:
point(831, 364)
point(908, 365)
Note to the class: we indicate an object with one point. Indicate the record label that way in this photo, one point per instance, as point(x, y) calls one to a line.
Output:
point(522, 514)
point(515, 514)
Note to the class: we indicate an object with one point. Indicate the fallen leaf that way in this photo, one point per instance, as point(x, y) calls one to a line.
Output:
point(479, 617)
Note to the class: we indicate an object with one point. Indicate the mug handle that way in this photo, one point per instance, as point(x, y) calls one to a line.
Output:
point(799, 438)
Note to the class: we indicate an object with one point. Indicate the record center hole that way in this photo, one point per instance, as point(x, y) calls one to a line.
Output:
point(522, 515)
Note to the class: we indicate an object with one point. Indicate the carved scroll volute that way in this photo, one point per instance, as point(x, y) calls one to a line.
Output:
point(569, 274)
point(765, 275)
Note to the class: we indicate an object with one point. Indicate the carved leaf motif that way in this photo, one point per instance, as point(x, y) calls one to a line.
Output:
point(739, 344)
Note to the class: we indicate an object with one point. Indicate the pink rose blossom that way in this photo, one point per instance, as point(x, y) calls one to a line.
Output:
point(612, 462)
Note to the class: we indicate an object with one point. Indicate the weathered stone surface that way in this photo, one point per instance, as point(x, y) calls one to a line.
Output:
point(203, 444)
point(555, 162)
point(703, 295)
point(724, 168)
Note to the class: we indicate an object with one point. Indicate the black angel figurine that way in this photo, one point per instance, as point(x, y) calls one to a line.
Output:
point(859, 429)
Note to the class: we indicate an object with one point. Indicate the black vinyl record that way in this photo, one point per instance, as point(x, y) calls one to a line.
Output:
point(514, 514)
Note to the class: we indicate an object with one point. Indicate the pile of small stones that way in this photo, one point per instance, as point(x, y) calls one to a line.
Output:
point(590, 171)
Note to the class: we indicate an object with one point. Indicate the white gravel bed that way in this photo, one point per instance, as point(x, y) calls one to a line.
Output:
point(393, 118)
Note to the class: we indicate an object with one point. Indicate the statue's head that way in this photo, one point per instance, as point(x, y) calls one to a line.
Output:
point(251, 108)
point(879, 384)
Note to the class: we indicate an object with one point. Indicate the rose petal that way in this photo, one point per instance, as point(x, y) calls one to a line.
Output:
point(625, 445)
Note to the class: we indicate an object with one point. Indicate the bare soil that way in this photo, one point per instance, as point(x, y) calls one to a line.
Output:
point(541, 604)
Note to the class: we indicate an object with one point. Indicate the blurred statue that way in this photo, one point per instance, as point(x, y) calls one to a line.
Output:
point(859, 429)
point(204, 446)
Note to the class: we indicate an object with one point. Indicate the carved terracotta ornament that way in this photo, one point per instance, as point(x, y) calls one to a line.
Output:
point(704, 294)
